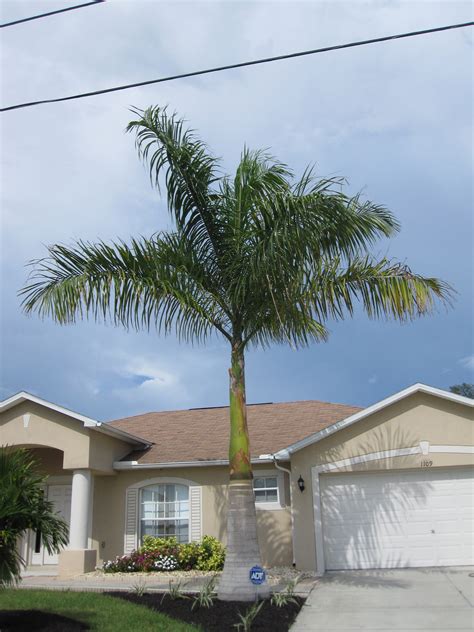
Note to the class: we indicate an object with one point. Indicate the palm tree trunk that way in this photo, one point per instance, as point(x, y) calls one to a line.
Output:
point(242, 544)
point(239, 445)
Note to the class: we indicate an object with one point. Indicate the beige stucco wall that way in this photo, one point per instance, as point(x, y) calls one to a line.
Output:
point(274, 530)
point(419, 417)
point(104, 450)
point(81, 447)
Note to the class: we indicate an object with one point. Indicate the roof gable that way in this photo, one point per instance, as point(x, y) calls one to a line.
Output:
point(87, 422)
point(366, 412)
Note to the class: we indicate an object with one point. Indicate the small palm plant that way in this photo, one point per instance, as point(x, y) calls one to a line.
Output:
point(248, 617)
point(175, 591)
point(286, 596)
point(22, 507)
point(139, 588)
point(205, 597)
point(258, 258)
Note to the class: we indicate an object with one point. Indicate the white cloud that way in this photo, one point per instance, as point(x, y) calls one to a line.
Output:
point(170, 378)
point(467, 362)
point(150, 370)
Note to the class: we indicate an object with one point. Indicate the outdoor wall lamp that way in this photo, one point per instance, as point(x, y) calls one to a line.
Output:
point(301, 483)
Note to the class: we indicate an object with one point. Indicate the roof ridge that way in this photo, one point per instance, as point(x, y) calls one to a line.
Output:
point(184, 410)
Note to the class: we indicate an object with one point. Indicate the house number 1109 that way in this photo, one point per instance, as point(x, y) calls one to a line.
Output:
point(426, 463)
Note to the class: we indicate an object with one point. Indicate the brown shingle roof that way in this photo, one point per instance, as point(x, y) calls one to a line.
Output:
point(202, 434)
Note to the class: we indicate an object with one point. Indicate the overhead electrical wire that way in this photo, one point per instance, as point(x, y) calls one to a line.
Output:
point(45, 15)
point(243, 64)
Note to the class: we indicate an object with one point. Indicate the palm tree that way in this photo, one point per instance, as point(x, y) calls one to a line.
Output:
point(22, 507)
point(258, 258)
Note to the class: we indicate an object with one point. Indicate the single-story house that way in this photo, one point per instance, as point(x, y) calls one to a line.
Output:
point(336, 486)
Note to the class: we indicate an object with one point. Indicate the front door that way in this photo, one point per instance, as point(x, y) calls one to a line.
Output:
point(60, 496)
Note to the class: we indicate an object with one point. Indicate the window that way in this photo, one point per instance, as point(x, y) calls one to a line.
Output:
point(266, 489)
point(164, 511)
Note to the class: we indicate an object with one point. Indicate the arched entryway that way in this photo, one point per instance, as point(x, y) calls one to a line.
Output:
point(57, 489)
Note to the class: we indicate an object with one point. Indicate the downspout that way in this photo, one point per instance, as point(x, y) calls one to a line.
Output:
point(284, 469)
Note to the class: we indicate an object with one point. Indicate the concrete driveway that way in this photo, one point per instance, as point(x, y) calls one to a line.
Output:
point(431, 599)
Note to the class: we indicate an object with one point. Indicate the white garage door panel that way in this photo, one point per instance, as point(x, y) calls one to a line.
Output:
point(385, 520)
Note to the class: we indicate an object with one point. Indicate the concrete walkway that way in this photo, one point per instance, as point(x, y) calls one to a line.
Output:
point(153, 582)
point(435, 599)
point(99, 583)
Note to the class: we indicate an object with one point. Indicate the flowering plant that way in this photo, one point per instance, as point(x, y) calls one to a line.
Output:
point(166, 554)
point(121, 564)
point(165, 563)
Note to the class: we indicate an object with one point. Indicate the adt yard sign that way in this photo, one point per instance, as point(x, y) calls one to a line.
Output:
point(257, 575)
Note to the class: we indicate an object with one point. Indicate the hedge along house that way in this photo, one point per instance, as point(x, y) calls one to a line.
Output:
point(336, 487)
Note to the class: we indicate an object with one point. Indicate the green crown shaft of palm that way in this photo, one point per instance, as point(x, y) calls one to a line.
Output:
point(261, 257)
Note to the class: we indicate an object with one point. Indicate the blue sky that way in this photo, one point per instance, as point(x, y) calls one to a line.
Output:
point(394, 118)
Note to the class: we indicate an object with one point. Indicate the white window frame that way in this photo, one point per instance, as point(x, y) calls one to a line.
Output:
point(280, 502)
point(131, 534)
point(163, 519)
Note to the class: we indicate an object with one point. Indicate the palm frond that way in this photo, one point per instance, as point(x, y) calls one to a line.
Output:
point(331, 290)
point(321, 224)
point(156, 281)
point(384, 288)
point(188, 168)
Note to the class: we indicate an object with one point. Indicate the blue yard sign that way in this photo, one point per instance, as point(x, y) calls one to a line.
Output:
point(257, 575)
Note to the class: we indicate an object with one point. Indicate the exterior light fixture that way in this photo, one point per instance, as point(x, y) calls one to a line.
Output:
point(301, 483)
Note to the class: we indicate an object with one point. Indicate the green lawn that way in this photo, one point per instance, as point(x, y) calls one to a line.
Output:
point(100, 612)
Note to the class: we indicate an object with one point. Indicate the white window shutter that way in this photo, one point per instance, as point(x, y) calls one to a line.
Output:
point(195, 511)
point(131, 521)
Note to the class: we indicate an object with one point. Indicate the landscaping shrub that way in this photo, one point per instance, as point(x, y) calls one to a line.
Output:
point(167, 554)
point(188, 555)
point(211, 554)
point(165, 546)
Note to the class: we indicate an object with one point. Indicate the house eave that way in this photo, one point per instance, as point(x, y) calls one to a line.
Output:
point(136, 465)
point(87, 422)
point(117, 433)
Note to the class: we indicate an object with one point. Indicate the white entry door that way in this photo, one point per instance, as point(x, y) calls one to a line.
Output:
point(60, 495)
point(398, 519)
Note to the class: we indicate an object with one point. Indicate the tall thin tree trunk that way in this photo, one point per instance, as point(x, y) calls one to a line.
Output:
point(242, 544)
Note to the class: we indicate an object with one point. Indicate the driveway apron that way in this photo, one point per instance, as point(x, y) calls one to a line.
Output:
point(408, 600)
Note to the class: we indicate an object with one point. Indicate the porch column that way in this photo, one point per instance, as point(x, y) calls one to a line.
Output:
point(80, 508)
point(78, 558)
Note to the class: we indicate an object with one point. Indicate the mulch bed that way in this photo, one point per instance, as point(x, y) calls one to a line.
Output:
point(36, 621)
point(222, 615)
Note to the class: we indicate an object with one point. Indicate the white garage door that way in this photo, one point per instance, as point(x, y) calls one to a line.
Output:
point(398, 519)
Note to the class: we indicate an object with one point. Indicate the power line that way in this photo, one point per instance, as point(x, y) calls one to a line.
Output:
point(239, 65)
point(45, 15)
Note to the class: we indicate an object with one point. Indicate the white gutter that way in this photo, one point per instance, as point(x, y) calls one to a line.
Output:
point(135, 465)
point(264, 458)
point(292, 519)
